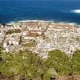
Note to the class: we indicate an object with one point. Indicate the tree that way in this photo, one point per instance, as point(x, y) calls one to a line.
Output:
point(24, 64)
point(59, 61)
point(76, 62)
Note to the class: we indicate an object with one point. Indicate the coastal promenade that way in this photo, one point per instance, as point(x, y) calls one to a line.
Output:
point(40, 37)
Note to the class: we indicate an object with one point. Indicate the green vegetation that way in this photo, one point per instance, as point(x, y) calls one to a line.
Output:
point(76, 62)
point(13, 31)
point(31, 66)
point(24, 64)
point(30, 44)
point(59, 61)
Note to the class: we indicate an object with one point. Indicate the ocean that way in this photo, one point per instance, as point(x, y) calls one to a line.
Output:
point(54, 10)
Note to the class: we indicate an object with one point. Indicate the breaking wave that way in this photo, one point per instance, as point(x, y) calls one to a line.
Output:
point(76, 11)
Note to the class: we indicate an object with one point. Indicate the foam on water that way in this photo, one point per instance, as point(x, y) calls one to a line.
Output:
point(76, 11)
point(13, 22)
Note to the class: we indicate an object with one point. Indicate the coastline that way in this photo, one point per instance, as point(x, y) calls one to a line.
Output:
point(38, 29)
point(52, 21)
point(17, 39)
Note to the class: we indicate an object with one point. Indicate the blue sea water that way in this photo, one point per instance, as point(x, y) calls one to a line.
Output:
point(56, 10)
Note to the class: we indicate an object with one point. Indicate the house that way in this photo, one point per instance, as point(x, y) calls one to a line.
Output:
point(39, 32)
point(2, 35)
point(11, 39)
point(18, 25)
point(44, 46)
point(31, 35)
point(9, 27)
point(60, 26)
